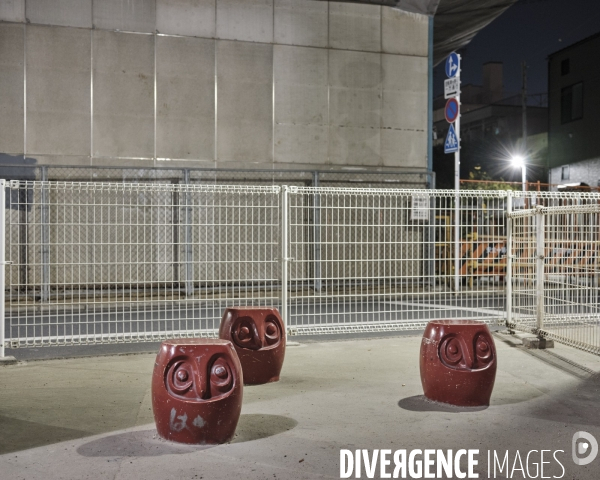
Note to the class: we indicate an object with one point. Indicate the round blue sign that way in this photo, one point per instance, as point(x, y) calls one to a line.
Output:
point(451, 110)
point(452, 65)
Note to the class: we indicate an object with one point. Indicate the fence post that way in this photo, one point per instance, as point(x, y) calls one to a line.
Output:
point(2, 263)
point(509, 257)
point(45, 290)
point(539, 268)
point(189, 265)
point(316, 235)
point(284, 255)
point(457, 222)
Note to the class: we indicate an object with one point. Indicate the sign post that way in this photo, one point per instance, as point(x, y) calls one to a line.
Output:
point(452, 145)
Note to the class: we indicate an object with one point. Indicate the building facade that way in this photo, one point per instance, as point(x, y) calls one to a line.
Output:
point(574, 114)
point(223, 84)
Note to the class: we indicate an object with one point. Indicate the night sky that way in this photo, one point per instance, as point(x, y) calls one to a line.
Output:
point(530, 30)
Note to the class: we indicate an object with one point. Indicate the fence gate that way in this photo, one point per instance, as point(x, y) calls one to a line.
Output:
point(555, 249)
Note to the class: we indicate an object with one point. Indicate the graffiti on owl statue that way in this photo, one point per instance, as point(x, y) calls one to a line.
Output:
point(197, 388)
point(458, 362)
point(258, 336)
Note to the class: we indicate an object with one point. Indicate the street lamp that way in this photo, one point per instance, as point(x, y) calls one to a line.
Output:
point(519, 161)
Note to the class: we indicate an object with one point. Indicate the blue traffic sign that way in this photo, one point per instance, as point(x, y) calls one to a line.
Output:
point(451, 143)
point(452, 65)
point(451, 110)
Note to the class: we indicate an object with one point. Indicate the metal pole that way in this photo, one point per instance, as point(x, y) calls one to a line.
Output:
point(509, 257)
point(457, 203)
point(2, 263)
point(284, 255)
point(524, 121)
point(539, 270)
point(316, 235)
point(45, 290)
point(189, 265)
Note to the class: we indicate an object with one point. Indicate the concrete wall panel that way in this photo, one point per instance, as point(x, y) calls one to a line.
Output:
point(185, 79)
point(12, 43)
point(125, 15)
point(123, 94)
point(354, 146)
point(246, 20)
point(301, 23)
point(58, 91)
point(355, 26)
point(404, 33)
point(12, 10)
point(355, 89)
point(404, 98)
point(245, 102)
point(403, 148)
point(195, 18)
point(301, 144)
point(301, 89)
point(67, 13)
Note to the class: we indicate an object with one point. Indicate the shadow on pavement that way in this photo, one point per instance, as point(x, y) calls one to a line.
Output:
point(419, 403)
point(21, 434)
point(147, 443)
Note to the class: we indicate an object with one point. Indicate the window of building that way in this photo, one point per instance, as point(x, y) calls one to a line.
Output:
point(565, 174)
point(565, 67)
point(571, 103)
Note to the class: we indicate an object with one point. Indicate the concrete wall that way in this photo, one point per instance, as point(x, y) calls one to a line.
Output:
point(213, 83)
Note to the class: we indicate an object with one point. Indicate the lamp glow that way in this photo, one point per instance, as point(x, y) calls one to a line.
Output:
point(518, 161)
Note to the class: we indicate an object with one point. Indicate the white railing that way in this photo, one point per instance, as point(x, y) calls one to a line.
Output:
point(115, 262)
point(556, 267)
point(96, 262)
point(375, 259)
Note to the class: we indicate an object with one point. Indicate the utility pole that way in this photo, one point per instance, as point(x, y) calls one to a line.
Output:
point(524, 105)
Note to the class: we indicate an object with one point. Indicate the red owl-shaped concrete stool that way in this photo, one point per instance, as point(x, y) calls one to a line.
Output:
point(458, 362)
point(197, 388)
point(258, 336)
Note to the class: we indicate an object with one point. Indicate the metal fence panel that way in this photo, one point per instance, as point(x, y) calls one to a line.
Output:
point(382, 259)
point(109, 262)
point(555, 268)
point(93, 262)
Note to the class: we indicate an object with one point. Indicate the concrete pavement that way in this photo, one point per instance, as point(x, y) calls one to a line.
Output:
point(91, 417)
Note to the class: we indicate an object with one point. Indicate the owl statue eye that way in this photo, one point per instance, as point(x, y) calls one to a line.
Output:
point(451, 352)
point(180, 377)
point(483, 350)
point(221, 377)
point(272, 332)
point(245, 334)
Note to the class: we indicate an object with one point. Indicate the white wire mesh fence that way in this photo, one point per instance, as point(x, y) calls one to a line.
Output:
point(383, 259)
point(97, 262)
point(555, 268)
point(121, 262)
